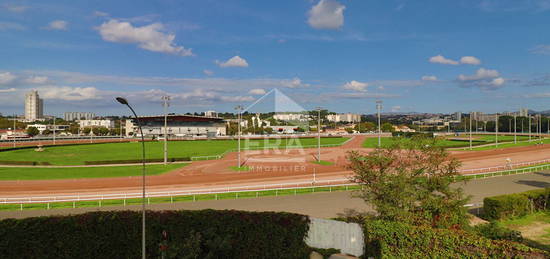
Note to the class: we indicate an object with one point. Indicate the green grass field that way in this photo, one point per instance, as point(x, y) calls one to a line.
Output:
point(24, 173)
point(449, 143)
point(76, 155)
point(535, 228)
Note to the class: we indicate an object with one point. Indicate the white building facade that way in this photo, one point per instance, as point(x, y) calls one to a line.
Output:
point(34, 106)
point(96, 124)
point(344, 117)
point(73, 116)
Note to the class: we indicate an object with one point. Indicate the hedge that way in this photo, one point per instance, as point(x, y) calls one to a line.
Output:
point(135, 161)
point(23, 163)
point(190, 234)
point(385, 239)
point(516, 205)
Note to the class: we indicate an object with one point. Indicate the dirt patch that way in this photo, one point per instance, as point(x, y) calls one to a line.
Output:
point(538, 231)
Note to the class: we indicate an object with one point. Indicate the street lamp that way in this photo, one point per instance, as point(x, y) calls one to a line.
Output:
point(496, 130)
point(239, 109)
point(515, 129)
point(379, 107)
point(123, 101)
point(470, 131)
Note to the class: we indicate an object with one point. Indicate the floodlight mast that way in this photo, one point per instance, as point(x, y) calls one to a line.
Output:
point(319, 134)
point(166, 100)
point(123, 101)
point(379, 108)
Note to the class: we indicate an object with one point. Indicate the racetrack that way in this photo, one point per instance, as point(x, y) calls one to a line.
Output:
point(267, 167)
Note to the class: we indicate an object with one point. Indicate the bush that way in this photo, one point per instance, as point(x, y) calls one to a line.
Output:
point(386, 239)
point(136, 161)
point(496, 231)
point(23, 163)
point(412, 134)
point(190, 234)
point(516, 205)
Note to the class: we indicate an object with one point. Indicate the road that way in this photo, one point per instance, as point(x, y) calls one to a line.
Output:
point(323, 205)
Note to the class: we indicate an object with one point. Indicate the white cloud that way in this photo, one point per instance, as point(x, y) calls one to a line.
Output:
point(395, 108)
point(498, 81)
point(257, 91)
point(481, 73)
point(100, 14)
point(37, 80)
point(58, 25)
point(9, 90)
point(356, 86)
point(6, 26)
point(208, 72)
point(6, 78)
point(149, 37)
point(15, 8)
point(293, 83)
point(429, 78)
point(327, 14)
point(68, 93)
point(442, 60)
point(541, 49)
point(235, 61)
point(470, 60)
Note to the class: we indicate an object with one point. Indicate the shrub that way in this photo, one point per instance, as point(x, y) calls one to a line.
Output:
point(515, 205)
point(386, 239)
point(199, 234)
point(496, 231)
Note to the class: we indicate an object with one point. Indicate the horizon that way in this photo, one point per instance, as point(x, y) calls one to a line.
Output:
point(340, 54)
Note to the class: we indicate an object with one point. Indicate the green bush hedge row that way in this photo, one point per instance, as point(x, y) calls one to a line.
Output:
point(412, 134)
point(191, 234)
point(384, 239)
point(135, 161)
point(516, 205)
point(23, 163)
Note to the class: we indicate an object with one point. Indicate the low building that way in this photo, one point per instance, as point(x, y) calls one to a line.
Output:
point(344, 117)
point(177, 126)
point(42, 127)
point(13, 134)
point(291, 117)
point(96, 124)
point(211, 114)
point(72, 116)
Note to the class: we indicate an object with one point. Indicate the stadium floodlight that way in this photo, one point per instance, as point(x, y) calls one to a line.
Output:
point(379, 107)
point(319, 134)
point(123, 101)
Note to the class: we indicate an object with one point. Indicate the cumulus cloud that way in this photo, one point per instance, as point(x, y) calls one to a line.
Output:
point(356, 86)
point(541, 49)
point(327, 14)
point(37, 80)
point(150, 37)
point(257, 91)
point(429, 78)
point(68, 93)
point(442, 60)
point(293, 83)
point(6, 78)
point(208, 72)
point(235, 61)
point(59, 25)
point(487, 79)
point(470, 60)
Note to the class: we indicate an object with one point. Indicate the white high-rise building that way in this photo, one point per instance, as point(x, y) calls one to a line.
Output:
point(34, 106)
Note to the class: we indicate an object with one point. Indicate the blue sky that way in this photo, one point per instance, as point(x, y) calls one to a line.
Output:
point(422, 56)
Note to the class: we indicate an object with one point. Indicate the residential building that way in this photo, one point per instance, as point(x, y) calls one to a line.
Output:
point(34, 106)
point(290, 117)
point(96, 124)
point(211, 114)
point(73, 116)
point(344, 117)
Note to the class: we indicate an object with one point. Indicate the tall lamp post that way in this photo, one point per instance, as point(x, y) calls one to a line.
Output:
point(470, 131)
point(515, 130)
point(13, 134)
point(319, 134)
point(166, 99)
point(496, 130)
point(123, 101)
point(529, 127)
point(239, 115)
point(378, 108)
point(54, 130)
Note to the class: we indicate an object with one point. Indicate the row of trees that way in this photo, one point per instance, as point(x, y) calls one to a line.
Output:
point(98, 131)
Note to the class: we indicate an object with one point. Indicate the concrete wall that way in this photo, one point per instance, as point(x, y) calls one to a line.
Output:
point(325, 233)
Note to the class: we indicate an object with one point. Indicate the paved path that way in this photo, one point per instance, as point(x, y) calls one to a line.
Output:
point(323, 205)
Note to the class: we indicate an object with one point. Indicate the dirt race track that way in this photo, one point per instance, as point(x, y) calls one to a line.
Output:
point(266, 167)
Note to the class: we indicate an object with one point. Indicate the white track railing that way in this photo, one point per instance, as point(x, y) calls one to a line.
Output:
point(503, 167)
point(237, 189)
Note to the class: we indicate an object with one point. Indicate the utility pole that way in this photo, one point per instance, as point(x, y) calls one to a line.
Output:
point(120, 128)
point(166, 99)
point(319, 134)
point(239, 112)
point(13, 134)
point(515, 130)
point(378, 108)
point(529, 127)
point(54, 130)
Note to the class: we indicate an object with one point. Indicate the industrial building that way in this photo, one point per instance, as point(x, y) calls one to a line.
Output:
point(177, 126)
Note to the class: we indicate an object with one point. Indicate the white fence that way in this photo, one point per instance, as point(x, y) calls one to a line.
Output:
point(193, 193)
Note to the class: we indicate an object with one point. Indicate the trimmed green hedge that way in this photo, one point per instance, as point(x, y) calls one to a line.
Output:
point(23, 163)
point(191, 234)
point(386, 239)
point(516, 205)
point(135, 161)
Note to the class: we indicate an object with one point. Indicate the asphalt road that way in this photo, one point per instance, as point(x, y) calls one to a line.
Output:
point(322, 205)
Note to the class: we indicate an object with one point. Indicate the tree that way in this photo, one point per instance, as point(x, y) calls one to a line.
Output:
point(409, 181)
point(365, 127)
point(387, 127)
point(349, 130)
point(46, 132)
point(32, 131)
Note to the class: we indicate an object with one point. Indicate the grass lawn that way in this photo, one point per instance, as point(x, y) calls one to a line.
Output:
point(21, 173)
point(76, 155)
point(323, 162)
point(535, 228)
point(519, 144)
point(449, 142)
